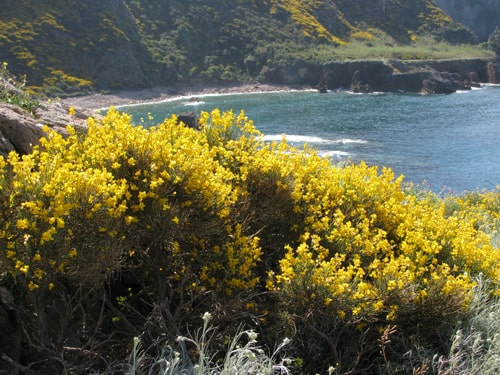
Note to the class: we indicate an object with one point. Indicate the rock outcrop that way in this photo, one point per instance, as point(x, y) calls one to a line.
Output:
point(21, 130)
point(427, 77)
point(440, 76)
point(493, 68)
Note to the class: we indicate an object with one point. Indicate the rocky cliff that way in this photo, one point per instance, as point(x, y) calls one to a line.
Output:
point(481, 16)
point(20, 130)
point(424, 76)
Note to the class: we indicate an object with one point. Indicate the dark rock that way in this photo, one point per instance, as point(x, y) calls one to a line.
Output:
point(443, 83)
point(493, 68)
point(462, 67)
point(189, 119)
point(296, 73)
point(340, 74)
point(473, 78)
point(322, 85)
point(432, 86)
point(358, 85)
point(377, 75)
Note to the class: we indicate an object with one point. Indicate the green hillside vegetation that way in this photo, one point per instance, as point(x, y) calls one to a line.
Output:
point(75, 46)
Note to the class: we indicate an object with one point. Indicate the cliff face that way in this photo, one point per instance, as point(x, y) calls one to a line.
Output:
point(481, 16)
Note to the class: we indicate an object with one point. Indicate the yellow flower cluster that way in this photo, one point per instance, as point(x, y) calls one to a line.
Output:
point(220, 209)
point(367, 248)
point(81, 204)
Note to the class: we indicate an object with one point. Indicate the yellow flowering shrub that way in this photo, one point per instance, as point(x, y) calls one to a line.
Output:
point(85, 201)
point(369, 249)
point(51, 199)
point(217, 217)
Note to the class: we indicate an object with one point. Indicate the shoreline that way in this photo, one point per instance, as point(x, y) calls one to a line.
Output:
point(99, 101)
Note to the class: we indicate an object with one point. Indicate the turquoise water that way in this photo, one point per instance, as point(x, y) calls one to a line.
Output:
point(449, 143)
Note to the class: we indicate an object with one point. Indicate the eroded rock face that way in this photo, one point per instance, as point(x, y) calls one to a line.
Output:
point(481, 16)
point(21, 130)
point(494, 71)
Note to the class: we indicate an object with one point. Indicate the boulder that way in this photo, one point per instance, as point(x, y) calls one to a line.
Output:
point(444, 83)
point(473, 79)
point(190, 119)
point(432, 86)
point(21, 130)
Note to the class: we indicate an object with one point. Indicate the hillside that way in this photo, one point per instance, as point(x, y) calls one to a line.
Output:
point(73, 46)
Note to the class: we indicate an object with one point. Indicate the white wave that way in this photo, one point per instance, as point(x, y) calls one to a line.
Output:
point(344, 141)
point(365, 93)
point(194, 102)
point(490, 84)
point(186, 98)
point(334, 154)
point(296, 138)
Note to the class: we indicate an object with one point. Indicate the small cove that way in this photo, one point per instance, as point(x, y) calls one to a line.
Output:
point(449, 143)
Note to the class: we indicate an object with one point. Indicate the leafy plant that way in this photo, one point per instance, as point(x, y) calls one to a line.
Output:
point(243, 355)
point(13, 91)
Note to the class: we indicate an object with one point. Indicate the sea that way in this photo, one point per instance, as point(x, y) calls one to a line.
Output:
point(448, 144)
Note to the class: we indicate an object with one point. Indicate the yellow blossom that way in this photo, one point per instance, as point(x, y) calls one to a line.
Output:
point(23, 224)
point(32, 286)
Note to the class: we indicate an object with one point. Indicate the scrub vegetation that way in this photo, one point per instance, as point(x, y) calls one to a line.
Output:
point(116, 241)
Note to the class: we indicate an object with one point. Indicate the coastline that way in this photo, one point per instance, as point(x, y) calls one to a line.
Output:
point(99, 101)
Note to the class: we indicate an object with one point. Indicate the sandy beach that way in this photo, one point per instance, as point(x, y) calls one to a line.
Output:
point(150, 95)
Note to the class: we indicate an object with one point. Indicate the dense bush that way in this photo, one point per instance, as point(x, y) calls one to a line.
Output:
point(127, 232)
